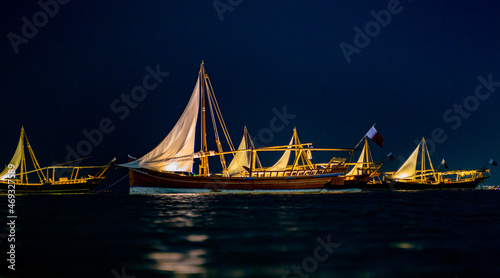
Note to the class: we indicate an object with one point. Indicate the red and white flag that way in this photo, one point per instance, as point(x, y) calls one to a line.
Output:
point(375, 136)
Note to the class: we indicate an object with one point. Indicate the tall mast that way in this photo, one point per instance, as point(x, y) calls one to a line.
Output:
point(436, 178)
point(424, 145)
point(367, 158)
point(37, 167)
point(301, 154)
point(23, 159)
point(204, 149)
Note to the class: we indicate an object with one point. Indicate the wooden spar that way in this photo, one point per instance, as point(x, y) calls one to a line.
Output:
point(287, 146)
point(298, 154)
point(72, 161)
point(283, 148)
point(67, 167)
point(204, 158)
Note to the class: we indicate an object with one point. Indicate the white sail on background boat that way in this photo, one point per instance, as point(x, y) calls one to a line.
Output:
point(282, 163)
point(409, 168)
point(302, 152)
point(10, 170)
point(240, 159)
point(359, 164)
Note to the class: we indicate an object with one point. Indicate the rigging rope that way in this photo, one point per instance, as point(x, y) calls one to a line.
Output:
point(211, 95)
point(116, 181)
point(219, 115)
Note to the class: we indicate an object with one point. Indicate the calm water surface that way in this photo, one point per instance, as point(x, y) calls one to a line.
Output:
point(366, 234)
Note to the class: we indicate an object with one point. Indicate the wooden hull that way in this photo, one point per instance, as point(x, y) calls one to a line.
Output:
point(144, 181)
point(79, 186)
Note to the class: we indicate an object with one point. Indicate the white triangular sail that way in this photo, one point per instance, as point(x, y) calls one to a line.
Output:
point(240, 158)
point(409, 168)
point(360, 163)
point(175, 153)
point(14, 162)
point(283, 161)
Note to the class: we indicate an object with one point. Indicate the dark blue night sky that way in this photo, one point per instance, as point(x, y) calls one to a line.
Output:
point(412, 67)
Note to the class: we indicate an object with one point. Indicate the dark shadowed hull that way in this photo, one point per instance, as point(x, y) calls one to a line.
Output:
point(466, 185)
point(365, 186)
point(363, 182)
point(146, 181)
point(74, 187)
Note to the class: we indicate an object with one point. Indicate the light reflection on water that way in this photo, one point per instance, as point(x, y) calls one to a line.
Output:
point(197, 238)
point(179, 253)
point(406, 245)
point(190, 262)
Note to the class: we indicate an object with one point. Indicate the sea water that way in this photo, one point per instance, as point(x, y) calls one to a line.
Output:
point(363, 234)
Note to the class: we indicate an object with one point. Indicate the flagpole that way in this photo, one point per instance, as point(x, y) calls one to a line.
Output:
point(489, 162)
point(360, 141)
point(364, 136)
point(385, 156)
point(351, 154)
point(486, 165)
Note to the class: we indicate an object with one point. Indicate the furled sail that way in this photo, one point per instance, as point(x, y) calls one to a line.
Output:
point(409, 167)
point(360, 163)
point(175, 152)
point(15, 161)
point(240, 158)
point(283, 161)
